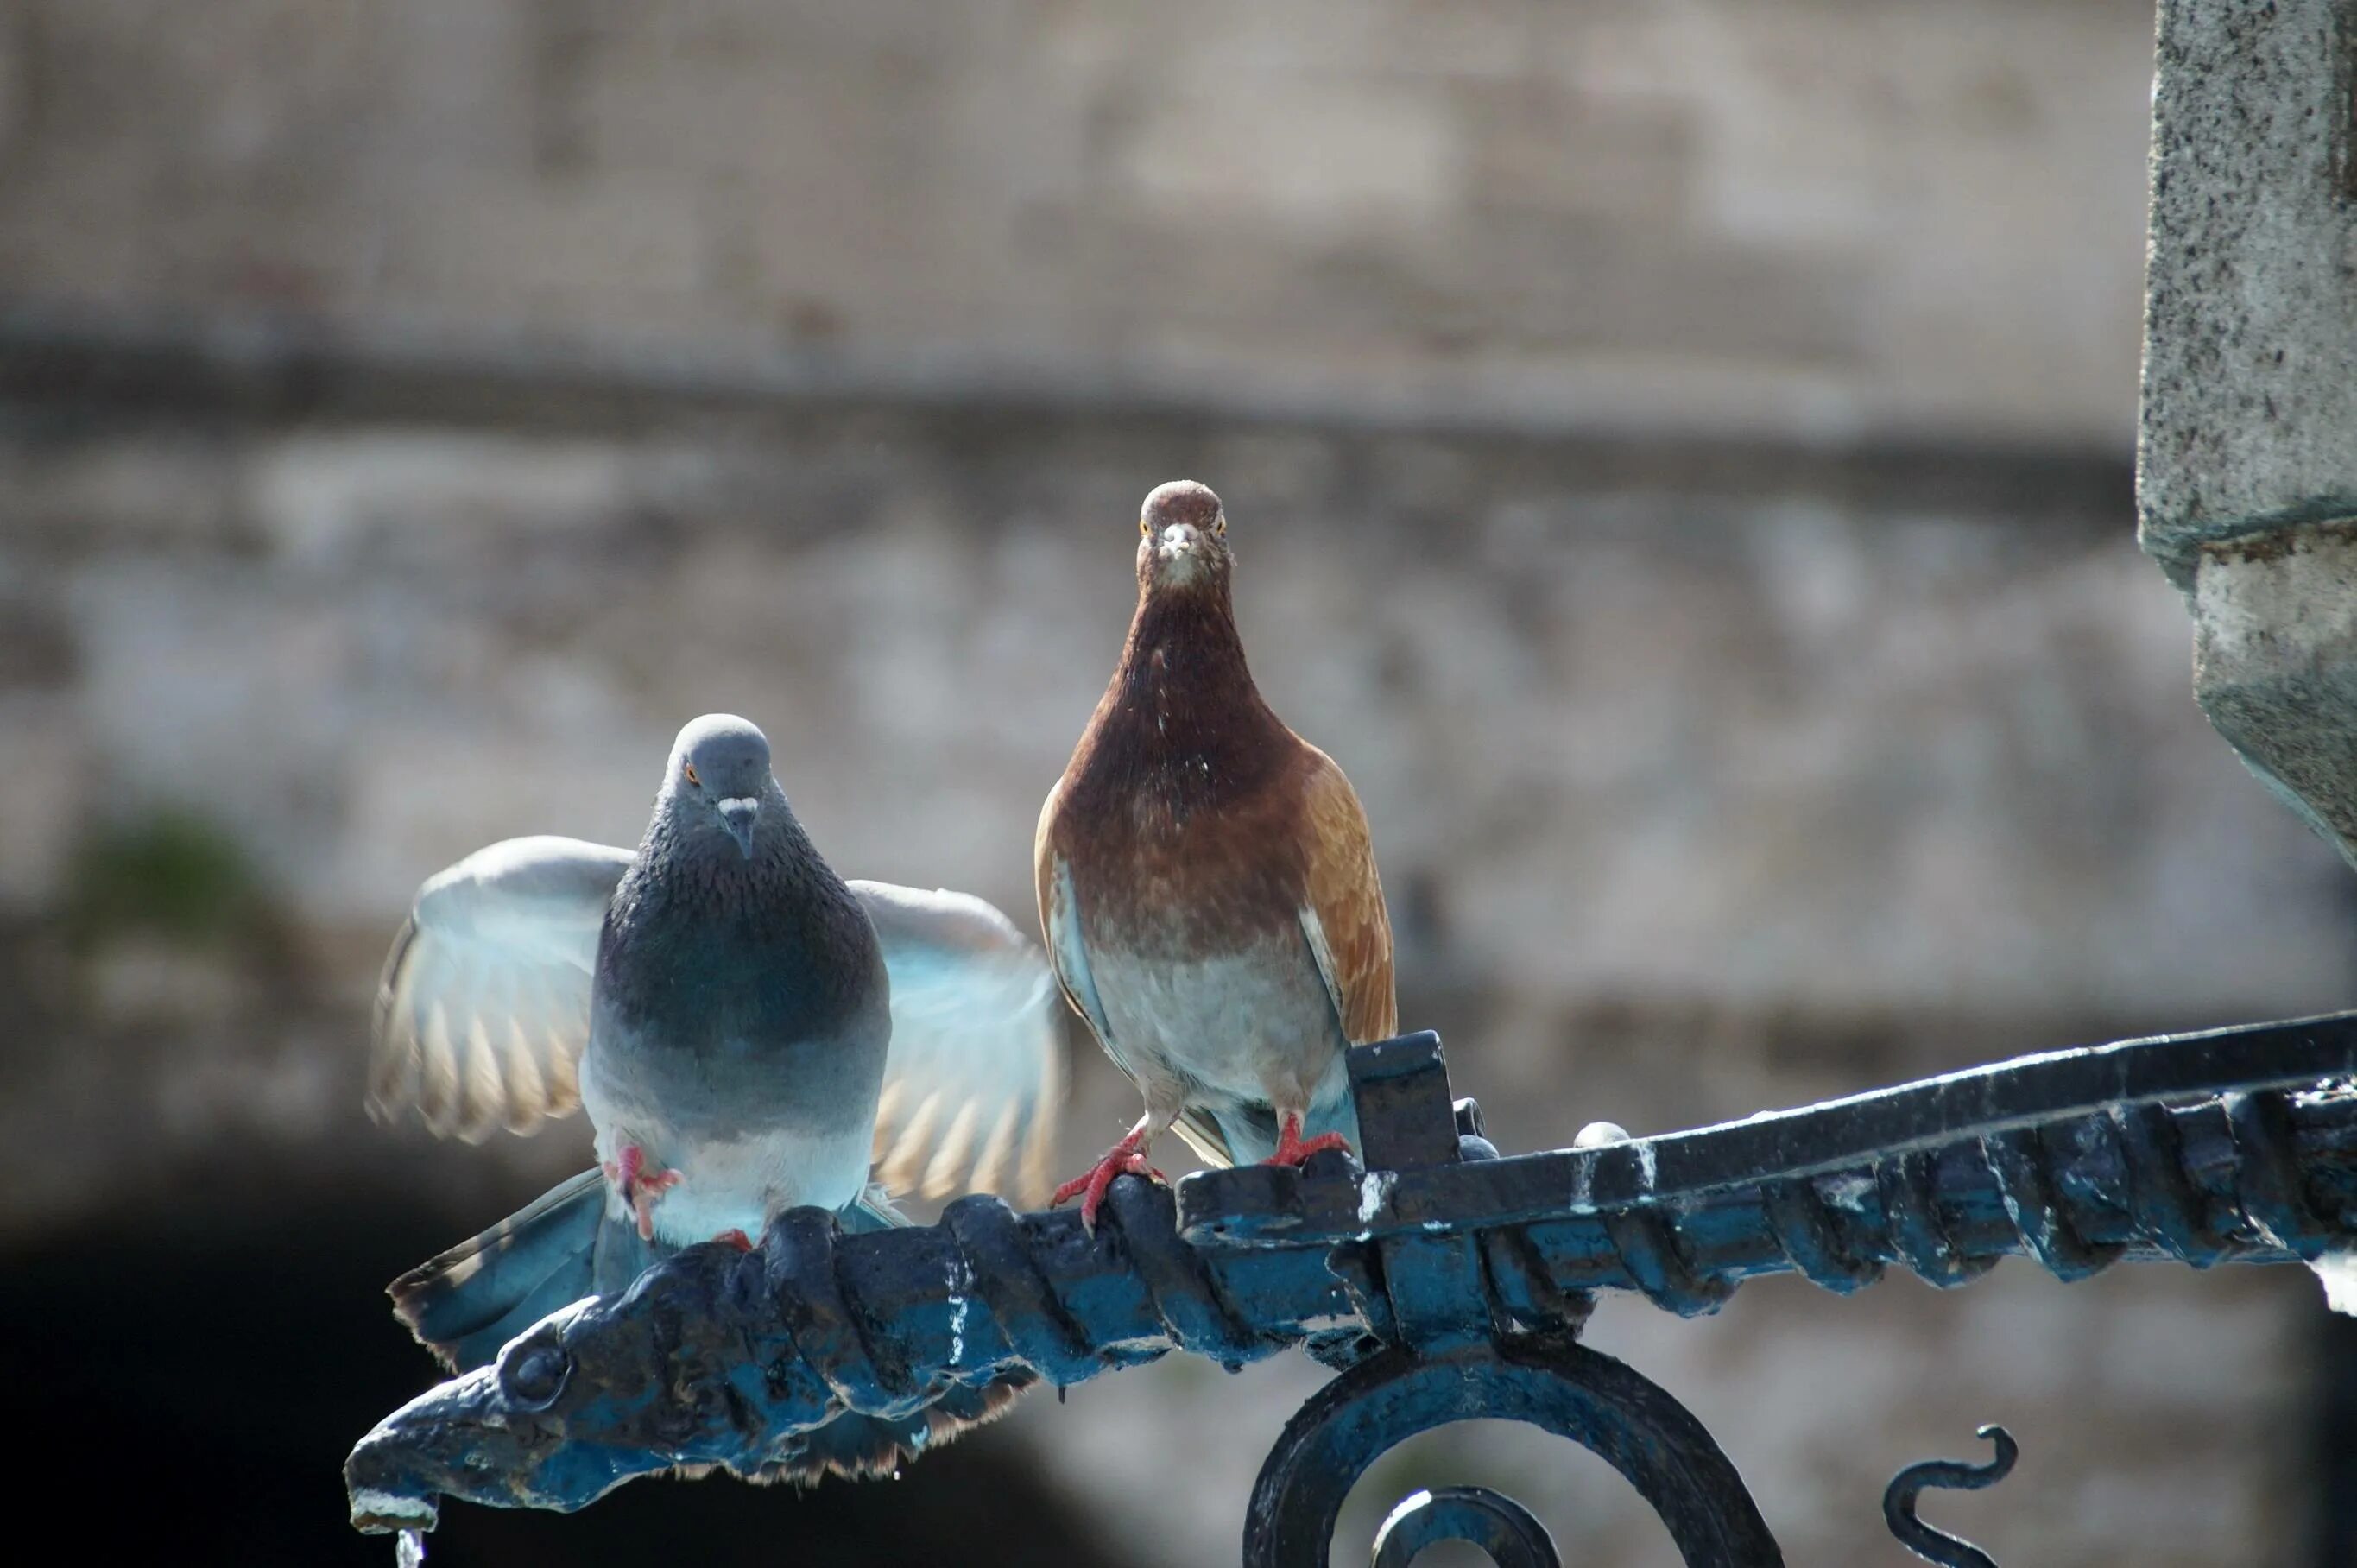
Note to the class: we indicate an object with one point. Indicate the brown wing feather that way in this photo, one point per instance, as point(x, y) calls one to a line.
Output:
point(1348, 896)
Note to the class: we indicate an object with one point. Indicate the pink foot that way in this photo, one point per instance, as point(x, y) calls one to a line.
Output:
point(1291, 1150)
point(639, 1184)
point(737, 1239)
point(1121, 1159)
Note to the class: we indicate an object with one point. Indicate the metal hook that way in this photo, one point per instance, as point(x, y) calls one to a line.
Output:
point(1938, 1546)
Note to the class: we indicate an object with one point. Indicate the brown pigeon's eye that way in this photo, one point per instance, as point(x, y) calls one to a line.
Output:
point(1220, 525)
point(688, 772)
point(1144, 528)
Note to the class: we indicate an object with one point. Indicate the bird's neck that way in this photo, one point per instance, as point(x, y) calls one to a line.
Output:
point(686, 854)
point(1182, 717)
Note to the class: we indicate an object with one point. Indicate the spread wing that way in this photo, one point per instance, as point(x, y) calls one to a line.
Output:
point(484, 1010)
point(484, 1004)
point(1059, 920)
point(975, 1071)
point(1342, 911)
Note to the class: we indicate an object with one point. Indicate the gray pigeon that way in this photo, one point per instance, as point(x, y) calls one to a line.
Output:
point(733, 1015)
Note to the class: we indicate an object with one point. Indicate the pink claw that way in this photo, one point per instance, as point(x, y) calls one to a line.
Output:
point(639, 1184)
point(1121, 1159)
point(1291, 1150)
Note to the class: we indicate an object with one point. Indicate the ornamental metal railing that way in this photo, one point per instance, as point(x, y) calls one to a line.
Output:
point(1443, 1281)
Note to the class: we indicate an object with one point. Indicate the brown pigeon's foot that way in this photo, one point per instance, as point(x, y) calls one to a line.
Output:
point(1292, 1151)
point(737, 1239)
point(1121, 1159)
point(639, 1184)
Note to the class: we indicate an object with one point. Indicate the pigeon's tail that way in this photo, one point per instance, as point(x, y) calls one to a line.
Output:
point(1249, 1131)
point(467, 1302)
point(864, 1446)
point(871, 1211)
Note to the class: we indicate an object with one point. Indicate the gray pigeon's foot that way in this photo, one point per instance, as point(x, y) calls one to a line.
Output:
point(641, 1185)
point(1292, 1149)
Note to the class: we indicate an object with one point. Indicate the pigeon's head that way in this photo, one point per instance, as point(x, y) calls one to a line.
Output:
point(720, 775)
point(1182, 539)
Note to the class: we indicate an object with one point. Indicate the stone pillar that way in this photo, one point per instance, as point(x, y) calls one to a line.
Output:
point(2246, 456)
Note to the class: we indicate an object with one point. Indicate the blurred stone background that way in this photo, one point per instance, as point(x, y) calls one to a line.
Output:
point(1679, 457)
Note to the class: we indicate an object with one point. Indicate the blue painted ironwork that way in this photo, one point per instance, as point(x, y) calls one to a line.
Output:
point(1938, 1546)
point(1500, 1526)
point(1439, 1269)
point(1549, 1382)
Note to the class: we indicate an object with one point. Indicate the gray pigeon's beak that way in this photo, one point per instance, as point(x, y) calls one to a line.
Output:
point(737, 814)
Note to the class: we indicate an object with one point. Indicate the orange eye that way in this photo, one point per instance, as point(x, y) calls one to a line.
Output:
point(688, 772)
point(1220, 526)
point(1144, 528)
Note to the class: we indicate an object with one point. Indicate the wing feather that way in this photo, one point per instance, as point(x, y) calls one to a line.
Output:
point(1348, 929)
point(910, 1150)
point(1059, 921)
point(991, 1167)
point(484, 1005)
point(527, 1087)
point(952, 1154)
point(974, 1044)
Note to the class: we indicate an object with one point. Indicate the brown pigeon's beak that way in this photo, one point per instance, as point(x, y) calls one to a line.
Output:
point(1179, 553)
point(738, 814)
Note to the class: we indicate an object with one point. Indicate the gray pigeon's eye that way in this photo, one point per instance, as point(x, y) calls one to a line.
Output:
point(534, 1376)
point(687, 771)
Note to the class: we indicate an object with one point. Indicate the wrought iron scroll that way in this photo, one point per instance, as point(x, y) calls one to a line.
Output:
point(1938, 1546)
point(1561, 1386)
point(2203, 1149)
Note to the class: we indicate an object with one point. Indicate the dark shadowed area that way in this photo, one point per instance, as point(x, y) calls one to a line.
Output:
point(252, 1347)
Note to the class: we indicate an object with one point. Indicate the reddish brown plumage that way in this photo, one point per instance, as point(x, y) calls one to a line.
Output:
point(1349, 898)
point(1192, 823)
point(1183, 799)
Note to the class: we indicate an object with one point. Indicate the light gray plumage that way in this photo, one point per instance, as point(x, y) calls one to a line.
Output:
point(723, 1002)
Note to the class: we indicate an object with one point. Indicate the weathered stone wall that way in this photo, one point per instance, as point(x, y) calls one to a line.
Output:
point(2246, 471)
point(1809, 218)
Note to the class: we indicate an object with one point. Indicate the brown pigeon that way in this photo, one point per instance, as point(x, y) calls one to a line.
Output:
point(1207, 884)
